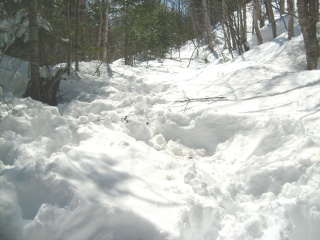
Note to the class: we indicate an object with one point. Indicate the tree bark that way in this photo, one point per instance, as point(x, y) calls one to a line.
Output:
point(225, 27)
point(244, 25)
point(105, 32)
point(291, 10)
point(77, 42)
point(256, 9)
point(261, 15)
point(99, 29)
point(51, 87)
point(271, 17)
point(126, 43)
point(34, 87)
point(69, 60)
point(207, 25)
point(281, 3)
point(308, 17)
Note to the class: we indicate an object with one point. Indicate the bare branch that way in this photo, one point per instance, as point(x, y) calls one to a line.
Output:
point(187, 100)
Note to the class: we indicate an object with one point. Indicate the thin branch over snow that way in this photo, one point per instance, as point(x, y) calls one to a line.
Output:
point(5, 105)
point(201, 99)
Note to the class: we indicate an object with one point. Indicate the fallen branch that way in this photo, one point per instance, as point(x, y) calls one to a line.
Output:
point(98, 69)
point(5, 105)
point(202, 99)
point(100, 118)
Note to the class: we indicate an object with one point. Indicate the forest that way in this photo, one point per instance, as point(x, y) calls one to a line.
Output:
point(83, 30)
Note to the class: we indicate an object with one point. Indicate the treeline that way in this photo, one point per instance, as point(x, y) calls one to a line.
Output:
point(77, 30)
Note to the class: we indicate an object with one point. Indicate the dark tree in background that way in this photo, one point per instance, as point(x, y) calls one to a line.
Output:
point(34, 86)
point(37, 87)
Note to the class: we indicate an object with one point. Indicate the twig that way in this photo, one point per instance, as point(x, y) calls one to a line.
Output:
point(5, 105)
point(97, 70)
point(202, 99)
point(277, 8)
point(62, 95)
point(196, 48)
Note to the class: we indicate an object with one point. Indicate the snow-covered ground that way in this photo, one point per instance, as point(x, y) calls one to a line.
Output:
point(151, 153)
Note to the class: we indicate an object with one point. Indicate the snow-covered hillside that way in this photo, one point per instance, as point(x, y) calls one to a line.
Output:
point(151, 153)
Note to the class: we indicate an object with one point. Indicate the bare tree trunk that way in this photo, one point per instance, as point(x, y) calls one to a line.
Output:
point(256, 10)
point(195, 24)
point(105, 33)
point(281, 3)
point(231, 26)
point(227, 39)
point(69, 60)
point(271, 17)
point(99, 29)
point(52, 87)
point(126, 44)
point(308, 18)
point(77, 44)
point(291, 10)
point(207, 25)
point(34, 87)
point(261, 15)
point(239, 27)
point(244, 25)
point(180, 3)
point(225, 27)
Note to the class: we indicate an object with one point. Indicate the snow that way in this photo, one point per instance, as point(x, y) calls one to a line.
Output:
point(123, 157)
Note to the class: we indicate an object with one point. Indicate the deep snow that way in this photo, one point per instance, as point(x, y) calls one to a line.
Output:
point(122, 157)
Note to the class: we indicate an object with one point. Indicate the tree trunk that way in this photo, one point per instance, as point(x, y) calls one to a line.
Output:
point(99, 29)
point(308, 18)
point(77, 43)
point(51, 87)
point(207, 25)
point(179, 26)
point(70, 40)
point(256, 10)
point(261, 15)
point(281, 3)
point(231, 26)
point(225, 26)
point(244, 25)
point(271, 17)
point(126, 43)
point(291, 10)
point(105, 33)
point(34, 87)
point(194, 22)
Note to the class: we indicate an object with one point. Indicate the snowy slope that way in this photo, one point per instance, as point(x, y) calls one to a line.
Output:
point(123, 157)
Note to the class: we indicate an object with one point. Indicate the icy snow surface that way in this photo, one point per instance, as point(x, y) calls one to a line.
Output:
point(121, 158)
